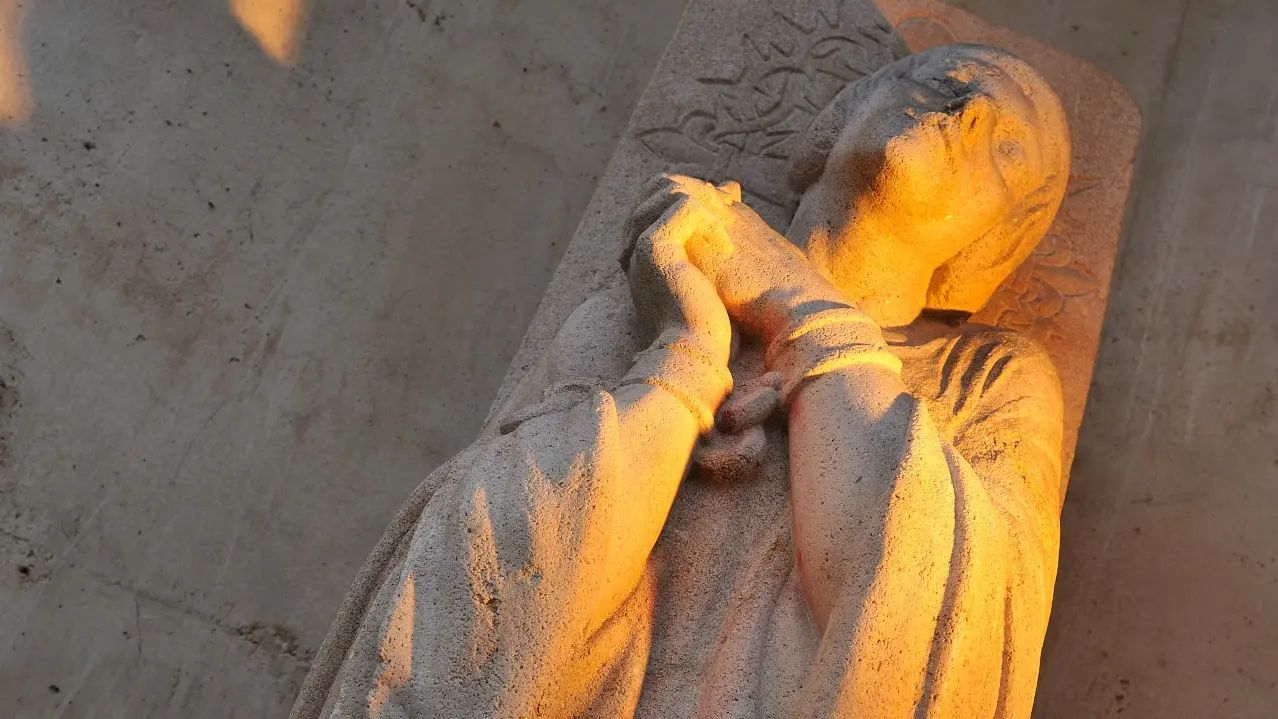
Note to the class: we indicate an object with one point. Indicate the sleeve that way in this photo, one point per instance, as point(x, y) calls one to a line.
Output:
point(949, 615)
point(514, 580)
point(509, 601)
point(594, 345)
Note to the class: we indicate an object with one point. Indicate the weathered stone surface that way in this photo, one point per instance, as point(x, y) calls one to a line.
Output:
point(1057, 297)
point(742, 113)
point(238, 305)
point(740, 80)
point(737, 83)
point(564, 564)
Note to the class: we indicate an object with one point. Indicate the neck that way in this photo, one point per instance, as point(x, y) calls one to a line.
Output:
point(866, 260)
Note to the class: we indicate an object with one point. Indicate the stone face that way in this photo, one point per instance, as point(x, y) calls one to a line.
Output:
point(1058, 296)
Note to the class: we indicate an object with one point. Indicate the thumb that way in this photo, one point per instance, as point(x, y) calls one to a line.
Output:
point(732, 188)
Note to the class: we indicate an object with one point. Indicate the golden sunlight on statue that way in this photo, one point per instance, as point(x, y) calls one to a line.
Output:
point(782, 476)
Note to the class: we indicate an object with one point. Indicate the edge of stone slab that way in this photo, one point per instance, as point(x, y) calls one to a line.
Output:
point(590, 262)
point(588, 265)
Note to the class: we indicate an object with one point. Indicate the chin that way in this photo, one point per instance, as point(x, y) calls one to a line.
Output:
point(887, 317)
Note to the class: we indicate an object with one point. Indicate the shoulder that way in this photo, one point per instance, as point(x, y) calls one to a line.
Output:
point(610, 307)
point(599, 339)
point(1008, 414)
point(977, 371)
point(981, 356)
point(595, 343)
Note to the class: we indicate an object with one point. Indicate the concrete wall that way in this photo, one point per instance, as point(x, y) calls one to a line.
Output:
point(244, 309)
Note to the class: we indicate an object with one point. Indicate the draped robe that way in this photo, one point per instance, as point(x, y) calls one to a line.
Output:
point(477, 601)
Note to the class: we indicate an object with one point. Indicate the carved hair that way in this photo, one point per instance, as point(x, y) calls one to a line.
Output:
point(964, 282)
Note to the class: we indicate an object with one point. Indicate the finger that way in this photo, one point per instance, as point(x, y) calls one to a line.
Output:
point(687, 181)
point(667, 183)
point(647, 211)
point(657, 195)
point(709, 193)
point(749, 409)
point(650, 210)
point(681, 208)
point(732, 188)
point(732, 457)
point(655, 184)
point(684, 217)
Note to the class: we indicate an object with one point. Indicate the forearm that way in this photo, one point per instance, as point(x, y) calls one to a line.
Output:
point(848, 430)
point(904, 539)
point(657, 433)
point(548, 534)
point(663, 403)
point(849, 423)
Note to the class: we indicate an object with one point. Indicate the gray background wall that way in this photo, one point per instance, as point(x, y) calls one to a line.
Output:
point(244, 309)
point(1169, 567)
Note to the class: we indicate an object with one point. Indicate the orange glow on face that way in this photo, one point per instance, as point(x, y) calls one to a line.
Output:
point(15, 92)
point(277, 25)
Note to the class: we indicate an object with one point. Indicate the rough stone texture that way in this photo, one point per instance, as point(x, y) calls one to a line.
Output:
point(737, 121)
point(245, 309)
point(1057, 297)
point(729, 103)
point(1169, 548)
point(1169, 543)
point(491, 592)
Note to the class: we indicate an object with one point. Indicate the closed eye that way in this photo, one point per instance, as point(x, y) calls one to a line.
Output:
point(944, 86)
point(952, 87)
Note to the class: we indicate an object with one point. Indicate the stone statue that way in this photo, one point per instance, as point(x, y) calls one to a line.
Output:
point(871, 525)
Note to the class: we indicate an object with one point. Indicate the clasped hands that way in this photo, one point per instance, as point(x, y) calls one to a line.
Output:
point(698, 255)
point(699, 259)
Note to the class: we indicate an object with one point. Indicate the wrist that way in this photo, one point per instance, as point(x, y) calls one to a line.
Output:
point(681, 363)
point(792, 307)
point(823, 338)
point(714, 346)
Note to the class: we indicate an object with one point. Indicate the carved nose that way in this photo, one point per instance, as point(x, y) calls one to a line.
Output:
point(974, 109)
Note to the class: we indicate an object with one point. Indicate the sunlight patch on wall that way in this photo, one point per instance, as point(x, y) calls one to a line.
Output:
point(15, 90)
point(278, 26)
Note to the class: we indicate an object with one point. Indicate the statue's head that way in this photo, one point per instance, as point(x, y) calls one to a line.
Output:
point(926, 184)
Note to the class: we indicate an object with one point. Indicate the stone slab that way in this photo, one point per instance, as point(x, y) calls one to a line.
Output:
point(741, 79)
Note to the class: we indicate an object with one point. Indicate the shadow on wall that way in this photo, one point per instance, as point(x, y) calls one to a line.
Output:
point(277, 26)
